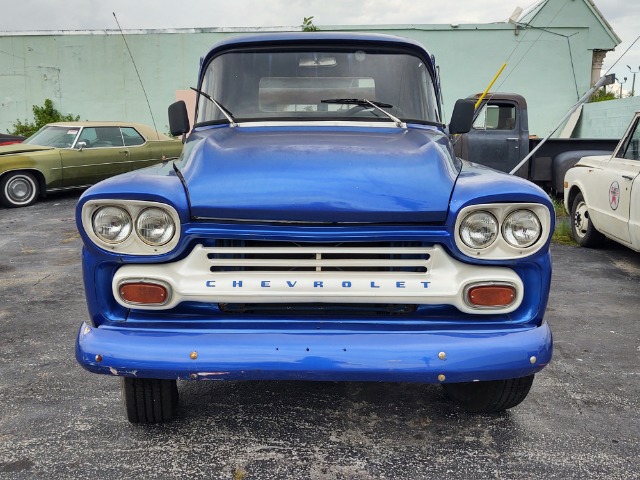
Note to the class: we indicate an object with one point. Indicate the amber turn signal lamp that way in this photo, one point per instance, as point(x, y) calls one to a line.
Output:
point(144, 293)
point(491, 295)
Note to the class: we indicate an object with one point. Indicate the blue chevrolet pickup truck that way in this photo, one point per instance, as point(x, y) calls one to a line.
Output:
point(317, 226)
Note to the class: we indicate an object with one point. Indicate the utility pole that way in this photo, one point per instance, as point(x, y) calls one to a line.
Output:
point(633, 83)
point(621, 82)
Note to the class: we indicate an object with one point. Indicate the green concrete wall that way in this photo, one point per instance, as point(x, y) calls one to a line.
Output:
point(550, 70)
point(91, 74)
point(608, 119)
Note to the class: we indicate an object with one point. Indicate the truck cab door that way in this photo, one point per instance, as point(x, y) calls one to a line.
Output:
point(617, 199)
point(495, 139)
point(628, 153)
point(634, 214)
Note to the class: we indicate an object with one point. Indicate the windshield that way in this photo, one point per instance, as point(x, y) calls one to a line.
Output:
point(309, 84)
point(49, 136)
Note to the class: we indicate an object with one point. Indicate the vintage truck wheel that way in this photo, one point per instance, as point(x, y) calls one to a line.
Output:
point(582, 227)
point(149, 400)
point(18, 189)
point(489, 397)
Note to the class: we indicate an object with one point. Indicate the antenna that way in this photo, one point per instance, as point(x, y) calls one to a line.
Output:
point(137, 73)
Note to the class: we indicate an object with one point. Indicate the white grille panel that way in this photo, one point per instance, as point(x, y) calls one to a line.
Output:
point(322, 258)
point(430, 276)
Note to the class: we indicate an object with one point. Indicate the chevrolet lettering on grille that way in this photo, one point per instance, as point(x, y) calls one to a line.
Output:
point(335, 284)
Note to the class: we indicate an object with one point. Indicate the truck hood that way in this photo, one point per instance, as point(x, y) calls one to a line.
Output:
point(319, 175)
point(21, 148)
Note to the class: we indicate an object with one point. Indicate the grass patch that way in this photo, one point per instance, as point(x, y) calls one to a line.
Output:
point(562, 233)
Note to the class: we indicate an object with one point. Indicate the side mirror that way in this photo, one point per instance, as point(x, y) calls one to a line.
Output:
point(462, 117)
point(178, 118)
point(81, 146)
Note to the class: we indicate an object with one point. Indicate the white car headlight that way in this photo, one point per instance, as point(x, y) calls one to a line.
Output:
point(521, 228)
point(479, 229)
point(111, 224)
point(155, 226)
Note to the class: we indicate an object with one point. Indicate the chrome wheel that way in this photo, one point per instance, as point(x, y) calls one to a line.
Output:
point(582, 228)
point(18, 189)
point(581, 219)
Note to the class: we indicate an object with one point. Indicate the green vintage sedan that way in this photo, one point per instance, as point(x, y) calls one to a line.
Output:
point(67, 155)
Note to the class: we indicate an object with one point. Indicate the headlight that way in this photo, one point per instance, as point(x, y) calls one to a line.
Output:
point(521, 228)
point(503, 231)
point(479, 229)
point(111, 224)
point(131, 227)
point(155, 226)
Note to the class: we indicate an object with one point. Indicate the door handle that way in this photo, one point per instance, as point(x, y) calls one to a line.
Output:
point(126, 152)
point(628, 177)
point(513, 139)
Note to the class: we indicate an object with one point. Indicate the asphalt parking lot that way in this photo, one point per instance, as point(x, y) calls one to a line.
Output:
point(581, 419)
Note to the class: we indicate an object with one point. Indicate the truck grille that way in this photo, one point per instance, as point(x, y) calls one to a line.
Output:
point(264, 277)
point(267, 256)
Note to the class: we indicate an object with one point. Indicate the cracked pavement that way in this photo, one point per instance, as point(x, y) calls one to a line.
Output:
point(58, 421)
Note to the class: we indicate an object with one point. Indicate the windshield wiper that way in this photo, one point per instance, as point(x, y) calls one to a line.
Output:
point(363, 102)
point(358, 101)
point(224, 110)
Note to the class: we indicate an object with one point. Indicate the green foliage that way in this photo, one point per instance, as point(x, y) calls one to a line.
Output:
point(308, 26)
point(602, 96)
point(42, 115)
point(562, 233)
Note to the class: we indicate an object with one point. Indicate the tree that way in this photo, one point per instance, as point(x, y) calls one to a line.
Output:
point(307, 25)
point(602, 96)
point(42, 115)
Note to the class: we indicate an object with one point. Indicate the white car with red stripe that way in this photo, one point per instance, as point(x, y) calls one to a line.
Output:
point(602, 194)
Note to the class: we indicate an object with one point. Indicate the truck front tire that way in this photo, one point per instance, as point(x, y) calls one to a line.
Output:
point(582, 227)
point(149, 400)
point(491, 396)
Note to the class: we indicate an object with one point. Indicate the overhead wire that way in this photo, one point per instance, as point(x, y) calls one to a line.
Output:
point(511, 70)
point(623, 54)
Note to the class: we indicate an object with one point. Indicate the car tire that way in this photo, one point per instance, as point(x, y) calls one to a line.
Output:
point(149, 400)
point(489, 397)
point(18, 189)
point(582, 229)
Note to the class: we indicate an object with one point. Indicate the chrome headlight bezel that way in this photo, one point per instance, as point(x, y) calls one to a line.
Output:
point(168, 229)
point(467, 235)
point(507, 230)
point(134, 244)
point(501, 249)
point(97, 226)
